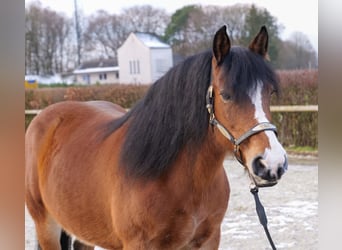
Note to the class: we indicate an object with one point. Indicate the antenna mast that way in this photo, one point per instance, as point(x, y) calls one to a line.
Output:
point(78, 34)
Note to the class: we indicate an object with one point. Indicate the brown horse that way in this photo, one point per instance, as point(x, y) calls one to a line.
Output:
point(153, 178)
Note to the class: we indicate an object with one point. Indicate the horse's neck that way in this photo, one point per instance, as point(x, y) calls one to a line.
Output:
point(208, 163)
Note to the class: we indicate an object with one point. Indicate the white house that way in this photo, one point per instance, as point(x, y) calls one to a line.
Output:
point(97, 72)
point(143, 58)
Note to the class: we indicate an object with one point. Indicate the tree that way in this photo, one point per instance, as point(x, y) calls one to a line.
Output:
point(146, 18)
point(78, 31)
point(297, 53)
point(233, 16)
point(178, 23)
point(305, 55)
point(106, 32)
point(254, 20)
point(32, 52)
point(45, 40)
point(184, 28)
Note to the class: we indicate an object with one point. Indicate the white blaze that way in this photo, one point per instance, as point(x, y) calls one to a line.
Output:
point(275, 154)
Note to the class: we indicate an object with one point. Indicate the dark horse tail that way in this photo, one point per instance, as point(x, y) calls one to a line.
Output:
point(65, 241)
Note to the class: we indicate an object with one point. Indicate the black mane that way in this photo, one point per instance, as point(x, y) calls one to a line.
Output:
point(245, 69)
point(173, 116)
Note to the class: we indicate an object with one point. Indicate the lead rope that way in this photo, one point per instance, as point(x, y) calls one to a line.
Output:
point(261, 213)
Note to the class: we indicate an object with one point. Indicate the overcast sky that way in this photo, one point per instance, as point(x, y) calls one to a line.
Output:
point(294, 15)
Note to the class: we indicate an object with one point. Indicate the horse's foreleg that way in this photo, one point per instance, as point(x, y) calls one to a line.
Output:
point(213, 242)
point(48, 234)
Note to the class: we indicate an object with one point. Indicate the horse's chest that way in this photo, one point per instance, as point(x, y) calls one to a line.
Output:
point(196, 227)
point(192, 232)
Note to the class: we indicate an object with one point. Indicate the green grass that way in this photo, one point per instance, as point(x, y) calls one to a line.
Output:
point(302, 149)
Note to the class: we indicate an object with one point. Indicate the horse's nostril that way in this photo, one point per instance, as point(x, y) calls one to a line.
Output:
point(280, 172)
point(258, 166)
point(262, 170)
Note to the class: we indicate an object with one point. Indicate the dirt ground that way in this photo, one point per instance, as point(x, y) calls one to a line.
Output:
point(291, 207)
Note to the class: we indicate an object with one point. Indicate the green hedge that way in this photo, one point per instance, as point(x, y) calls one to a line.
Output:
point(297, 129)
point(298, 87)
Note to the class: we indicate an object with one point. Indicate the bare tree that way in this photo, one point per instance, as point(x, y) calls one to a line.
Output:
point(233, 16)
point(78, 31)
point(305, 55)
point(105, 33)
point(63, 26)
point(32, 33)
point(46, 34)
point(146, 18)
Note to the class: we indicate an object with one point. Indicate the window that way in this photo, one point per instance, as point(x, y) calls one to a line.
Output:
point(86, 78)
point(138, 67)
point(134, 67)
point(103, 76)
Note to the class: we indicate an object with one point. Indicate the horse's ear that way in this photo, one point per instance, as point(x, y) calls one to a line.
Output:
point(260, 43)
point(221, 44)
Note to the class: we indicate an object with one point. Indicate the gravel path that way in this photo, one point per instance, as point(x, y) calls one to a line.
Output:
point(291, 207)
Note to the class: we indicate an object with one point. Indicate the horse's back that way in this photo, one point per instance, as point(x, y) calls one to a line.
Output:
point(69, 119)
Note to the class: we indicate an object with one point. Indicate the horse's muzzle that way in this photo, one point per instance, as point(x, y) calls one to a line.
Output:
point(265, 175)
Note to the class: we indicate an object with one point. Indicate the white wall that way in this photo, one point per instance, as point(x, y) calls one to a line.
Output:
point(161, 61)
point(134, 52)
point(94, 78)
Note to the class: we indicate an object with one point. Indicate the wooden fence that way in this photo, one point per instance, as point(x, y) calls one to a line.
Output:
point(295, 108)
point(284, 108)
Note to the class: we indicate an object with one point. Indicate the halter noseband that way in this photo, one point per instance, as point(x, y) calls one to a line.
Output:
point(225, 132)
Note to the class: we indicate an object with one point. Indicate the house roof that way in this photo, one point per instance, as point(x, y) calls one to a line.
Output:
point(98, 63)
point(97, 66)
point(151, 40)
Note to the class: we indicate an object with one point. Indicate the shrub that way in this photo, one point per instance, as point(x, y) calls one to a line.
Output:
point(298, 87)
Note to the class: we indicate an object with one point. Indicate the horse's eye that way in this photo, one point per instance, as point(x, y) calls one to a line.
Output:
point(226, 96)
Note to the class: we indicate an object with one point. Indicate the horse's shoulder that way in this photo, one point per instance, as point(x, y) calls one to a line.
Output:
point(107, 107)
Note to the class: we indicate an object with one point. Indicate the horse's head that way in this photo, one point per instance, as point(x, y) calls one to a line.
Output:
point(239, 105)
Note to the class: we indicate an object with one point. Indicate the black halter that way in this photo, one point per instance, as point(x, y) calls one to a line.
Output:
point(236, 142)
point(225, 132)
